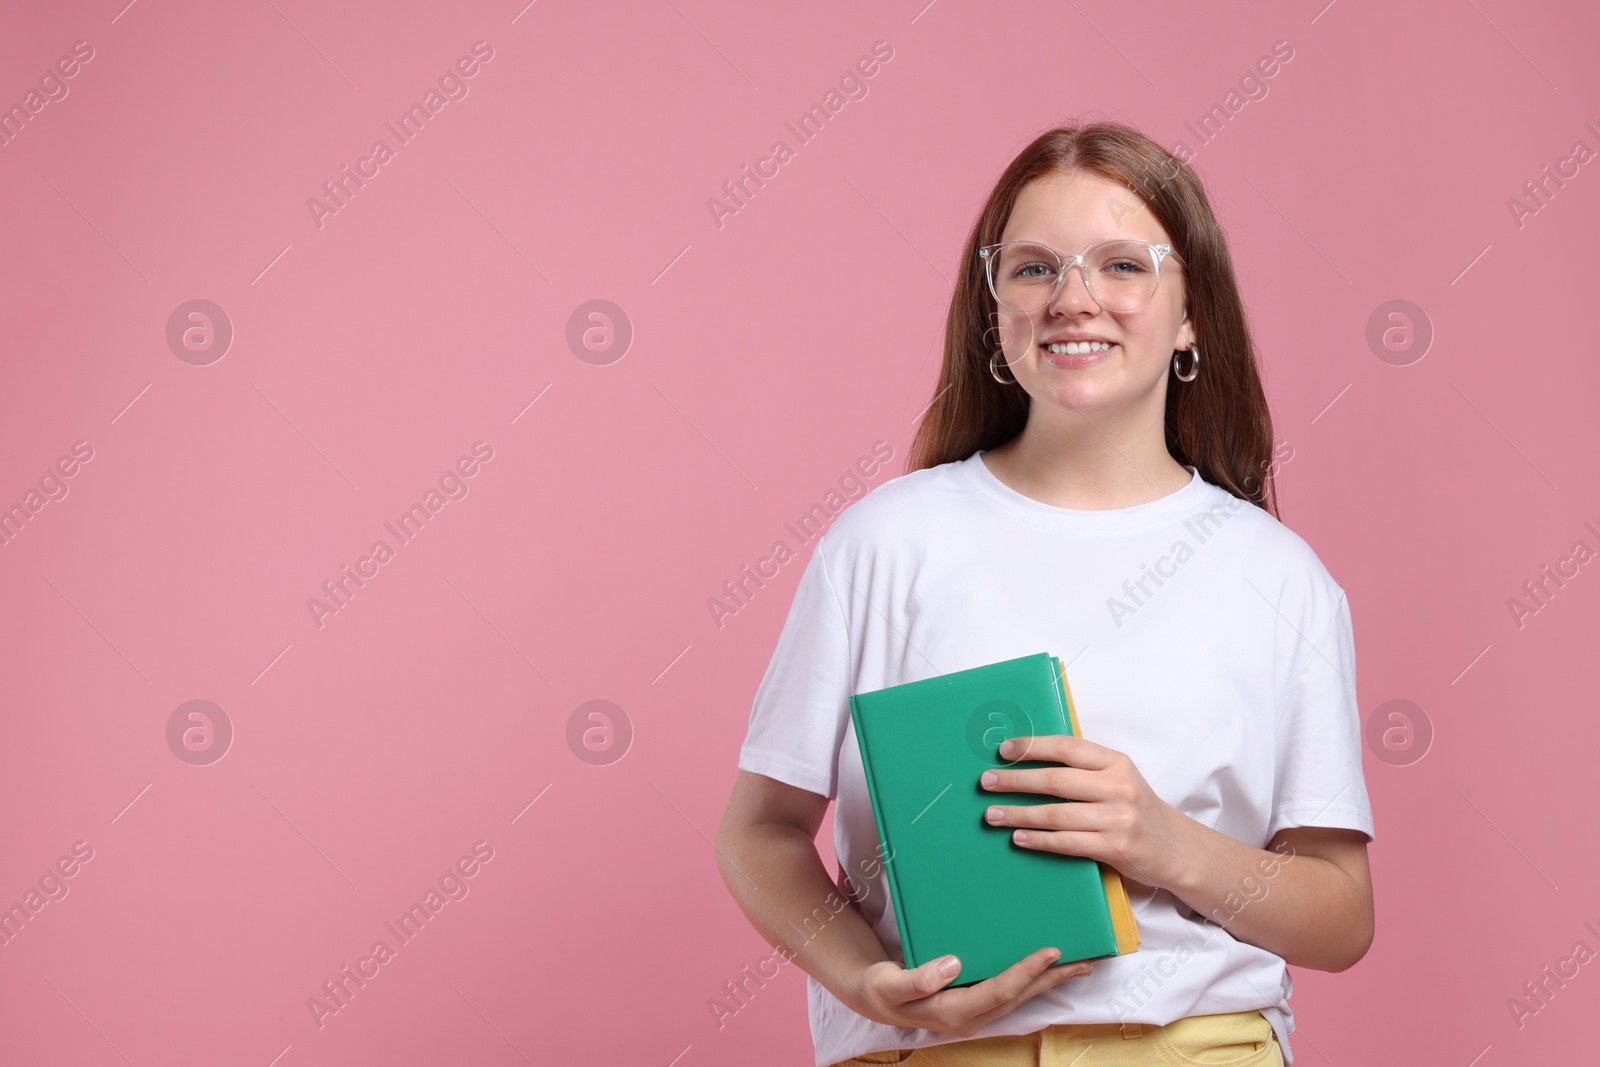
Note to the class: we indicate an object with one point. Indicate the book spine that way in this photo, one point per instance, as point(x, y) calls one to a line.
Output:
point(1104, 897)
point(1066, 700)
point(906, 947)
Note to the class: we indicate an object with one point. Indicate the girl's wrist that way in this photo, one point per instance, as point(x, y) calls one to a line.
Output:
point(1185, 856)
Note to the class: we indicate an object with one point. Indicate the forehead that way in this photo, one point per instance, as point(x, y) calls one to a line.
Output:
point(1073, 211)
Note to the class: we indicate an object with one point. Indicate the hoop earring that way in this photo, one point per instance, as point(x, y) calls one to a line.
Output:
point(1194, 371)
point(995, 374)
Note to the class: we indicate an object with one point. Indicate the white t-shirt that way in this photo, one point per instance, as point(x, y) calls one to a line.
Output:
point(1202, 637)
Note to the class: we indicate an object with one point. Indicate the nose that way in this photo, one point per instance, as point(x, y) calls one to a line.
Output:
point(1074, 293)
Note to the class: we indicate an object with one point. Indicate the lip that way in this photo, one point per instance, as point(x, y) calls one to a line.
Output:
point(1087, 359)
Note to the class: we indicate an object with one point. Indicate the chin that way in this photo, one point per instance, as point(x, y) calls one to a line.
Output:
point(1075, 396)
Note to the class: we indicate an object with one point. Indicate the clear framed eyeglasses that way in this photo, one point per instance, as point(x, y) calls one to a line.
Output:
point(1121, 274)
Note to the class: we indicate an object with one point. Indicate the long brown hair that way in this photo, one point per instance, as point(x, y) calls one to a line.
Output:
point(1218, 423)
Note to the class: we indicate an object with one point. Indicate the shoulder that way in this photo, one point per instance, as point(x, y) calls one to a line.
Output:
point(1279, 562)
point(917, 501)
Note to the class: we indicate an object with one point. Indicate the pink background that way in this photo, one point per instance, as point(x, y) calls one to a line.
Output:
point(768, 355)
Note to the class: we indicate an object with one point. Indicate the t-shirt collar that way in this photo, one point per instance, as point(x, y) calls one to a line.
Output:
point(1191, 496)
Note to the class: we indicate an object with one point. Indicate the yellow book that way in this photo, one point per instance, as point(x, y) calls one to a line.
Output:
point(1122, 921)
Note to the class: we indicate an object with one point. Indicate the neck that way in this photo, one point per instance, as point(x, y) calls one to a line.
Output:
point(1073, 462)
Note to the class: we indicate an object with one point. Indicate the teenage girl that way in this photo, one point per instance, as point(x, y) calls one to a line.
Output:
point(1093, 478)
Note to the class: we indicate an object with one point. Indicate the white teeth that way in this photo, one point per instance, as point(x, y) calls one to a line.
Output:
point(1078, 348)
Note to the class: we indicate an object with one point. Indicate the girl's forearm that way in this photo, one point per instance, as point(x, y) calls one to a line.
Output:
point(1303, 908)
point(780, 883)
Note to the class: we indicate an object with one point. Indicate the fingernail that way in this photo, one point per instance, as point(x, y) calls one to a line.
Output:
point(1005, 748)
point(949, 966)
point(990, 778)
point(995, 814)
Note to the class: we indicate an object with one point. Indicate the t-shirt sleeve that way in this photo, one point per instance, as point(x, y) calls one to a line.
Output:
point(1319, 779)
point(802, 705)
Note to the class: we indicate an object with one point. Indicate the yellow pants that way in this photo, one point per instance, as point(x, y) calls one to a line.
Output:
point(1234, 1039)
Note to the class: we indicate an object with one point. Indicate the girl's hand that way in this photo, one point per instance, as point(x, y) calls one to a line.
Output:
point(917, 997)
point(1109, 812)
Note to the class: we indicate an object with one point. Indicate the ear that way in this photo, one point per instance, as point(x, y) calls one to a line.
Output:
point(1186, 334)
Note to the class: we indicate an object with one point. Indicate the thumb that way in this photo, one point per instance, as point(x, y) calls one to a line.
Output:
point(934, 975)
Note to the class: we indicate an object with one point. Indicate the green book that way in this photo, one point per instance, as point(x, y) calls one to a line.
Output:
point(960, 885)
